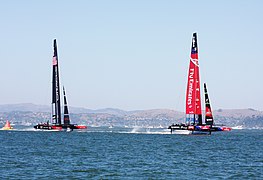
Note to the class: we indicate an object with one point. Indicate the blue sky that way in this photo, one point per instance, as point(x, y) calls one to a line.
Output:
point(131, 54)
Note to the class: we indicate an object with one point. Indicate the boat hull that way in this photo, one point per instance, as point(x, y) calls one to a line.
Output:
point(188, 132)
point(80, 127)
point(189, 129)
point(196, 129)
point(48, 127)
point(220, 128)
point(6, 129)
point(52, 127)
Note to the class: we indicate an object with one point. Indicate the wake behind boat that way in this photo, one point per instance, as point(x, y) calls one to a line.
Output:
point(56, 105)
point(193, 123)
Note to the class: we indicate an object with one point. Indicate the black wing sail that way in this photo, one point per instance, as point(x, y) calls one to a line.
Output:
point(56, 108)
point(208, 112)
point(66, 112)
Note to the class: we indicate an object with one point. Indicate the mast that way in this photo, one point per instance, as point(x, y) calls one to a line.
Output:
point(193, 98)
point(56, 108)
point(208, 113)
point(66, 113)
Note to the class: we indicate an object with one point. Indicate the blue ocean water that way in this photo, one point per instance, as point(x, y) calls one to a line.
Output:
point(123, 153)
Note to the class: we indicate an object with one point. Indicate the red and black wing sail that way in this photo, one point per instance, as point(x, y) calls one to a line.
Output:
point(66, 112)
point(193, 98)
point(56, 108)
point(209, 120)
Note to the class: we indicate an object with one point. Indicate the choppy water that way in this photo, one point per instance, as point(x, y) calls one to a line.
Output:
point(123, 153)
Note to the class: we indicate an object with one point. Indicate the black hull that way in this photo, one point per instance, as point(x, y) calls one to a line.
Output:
point(43, 126)
point(198, 128)
point(175, 128)
point(56, 126)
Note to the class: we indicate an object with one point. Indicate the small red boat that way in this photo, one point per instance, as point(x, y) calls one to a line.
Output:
point(7, 126)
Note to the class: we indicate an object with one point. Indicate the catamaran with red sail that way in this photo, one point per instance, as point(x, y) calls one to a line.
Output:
point(193, 123)
point(56, 123)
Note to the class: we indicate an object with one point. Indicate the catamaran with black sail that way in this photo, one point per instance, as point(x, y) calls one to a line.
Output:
point(56, 123)
point(193, 123)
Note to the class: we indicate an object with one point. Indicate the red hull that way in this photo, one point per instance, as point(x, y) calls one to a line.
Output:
point(226, 128)
point(46, 126)
point(81, 127)
point(57, 127)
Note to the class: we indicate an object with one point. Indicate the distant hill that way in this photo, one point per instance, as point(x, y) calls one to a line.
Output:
point(237, 113)
point(24, 107)
point(44, 108)
point(31, 113)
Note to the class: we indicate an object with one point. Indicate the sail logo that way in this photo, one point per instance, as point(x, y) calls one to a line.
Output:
point(54, 62)
point(190, 87)
point(208, 119)
point(194, 43)
point(195, 61)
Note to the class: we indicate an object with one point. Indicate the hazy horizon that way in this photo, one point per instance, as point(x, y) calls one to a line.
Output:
point(132, 55)
point(116, 108)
